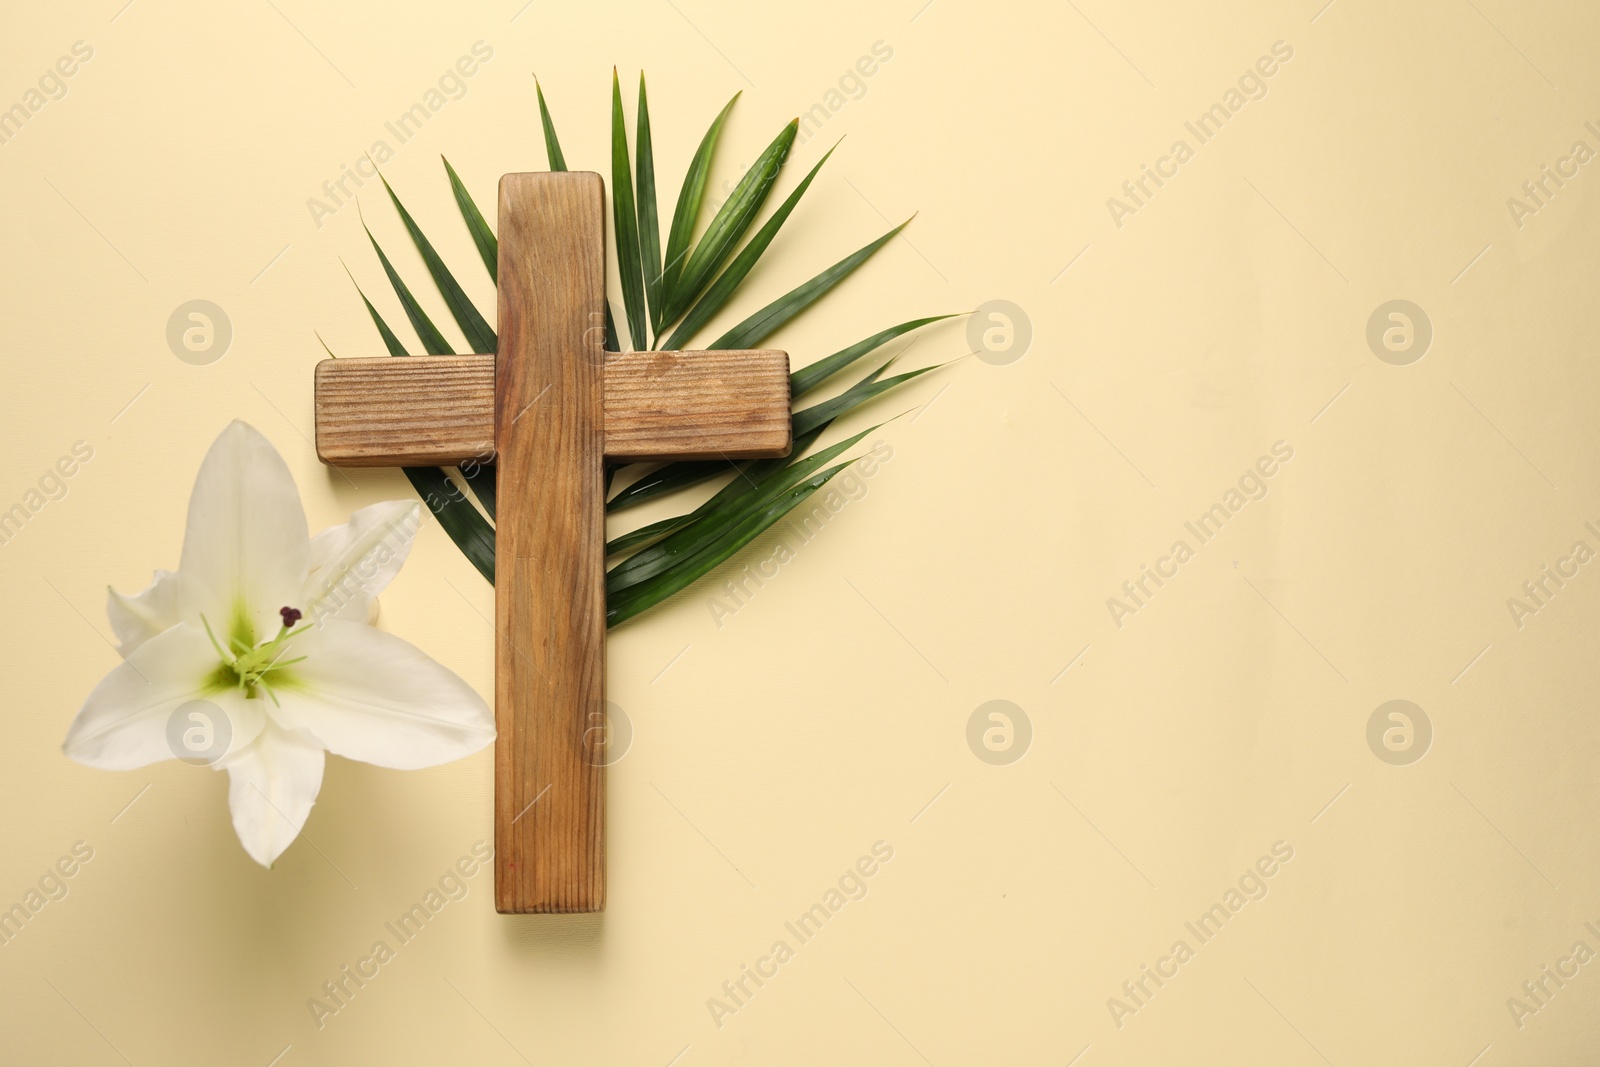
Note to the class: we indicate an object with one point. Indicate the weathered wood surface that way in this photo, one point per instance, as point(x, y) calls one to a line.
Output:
point(439, 410)
point(550, 603)
point(697, 405)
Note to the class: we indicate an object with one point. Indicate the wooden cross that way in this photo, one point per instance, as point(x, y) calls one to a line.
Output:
point(552, 405)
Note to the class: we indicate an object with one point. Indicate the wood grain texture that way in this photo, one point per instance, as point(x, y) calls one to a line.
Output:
point(549, 793)
point(413, 412)
point(439, 410)
point(697, 405)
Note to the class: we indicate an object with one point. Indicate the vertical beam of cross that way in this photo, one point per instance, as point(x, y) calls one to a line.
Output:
point(550, 544)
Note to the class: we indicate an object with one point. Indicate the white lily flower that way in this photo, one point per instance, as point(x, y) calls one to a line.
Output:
point(226, 629)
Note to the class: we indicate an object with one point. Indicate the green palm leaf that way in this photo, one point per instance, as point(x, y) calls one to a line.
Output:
point(488, 245)
point(722, 513)
point(819, 415)
point(729, 224)
point(648, 594)
point(764, 323)
point(688, 281)
point(390, 341)
point(687, 212)
point(643, 534)
point(479, 336)
point(627, 223)
point(432, 340)
point(729, 281)
point(809, 377)
point(613, 344)
point(552, 147)
point(750, 471)
point(667, 478)
point(478, 475)
point(649, 225)
point(483, 478)
point(463, 523)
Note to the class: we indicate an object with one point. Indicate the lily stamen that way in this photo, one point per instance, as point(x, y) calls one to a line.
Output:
point(251, 667)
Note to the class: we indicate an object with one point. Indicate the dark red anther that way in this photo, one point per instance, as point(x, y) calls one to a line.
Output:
point(290, 616)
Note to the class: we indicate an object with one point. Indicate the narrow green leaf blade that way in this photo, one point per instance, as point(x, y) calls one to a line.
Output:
point(552, 147)
point(668, 479)
point(626, 222)
point(721, 514)
point(488, 245)
point(753, 472)
point(390, 341)
point(808, 378)
point(432, 340)
point(728, 282)
point(481, 479)
point(687, 212)
point(613, 344)
point(671, 477)
point(729, 225)
point(818, 414)
point(478, 333)
point(649, 225)
point(648, 594)
point(764, 323)
point(643, 534)
point(464, 524)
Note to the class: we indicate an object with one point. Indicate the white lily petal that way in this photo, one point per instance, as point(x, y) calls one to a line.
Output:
point(351, 564)
point(123, 724)
point(370, 696)
point(245, 548)
point(136, 619)
point(271, 788)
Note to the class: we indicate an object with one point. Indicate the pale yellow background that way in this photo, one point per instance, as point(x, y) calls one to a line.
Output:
point(1230, 713)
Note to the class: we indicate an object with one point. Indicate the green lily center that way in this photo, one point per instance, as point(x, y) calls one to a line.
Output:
point(254, 668)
